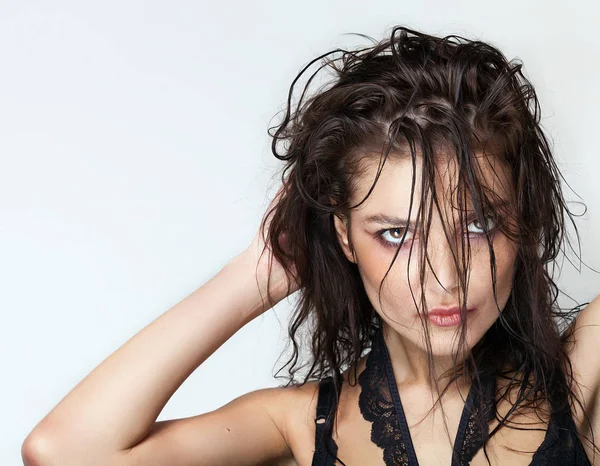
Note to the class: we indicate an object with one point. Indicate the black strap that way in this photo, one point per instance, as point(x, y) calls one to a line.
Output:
point(323, 430)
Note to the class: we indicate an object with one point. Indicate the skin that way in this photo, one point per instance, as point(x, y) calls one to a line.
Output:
point(277, 425)
point(403, 328)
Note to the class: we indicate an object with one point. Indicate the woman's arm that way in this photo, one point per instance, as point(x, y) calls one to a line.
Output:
point(115, 407)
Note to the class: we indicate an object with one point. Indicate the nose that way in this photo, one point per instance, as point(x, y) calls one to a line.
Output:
point(442, 276)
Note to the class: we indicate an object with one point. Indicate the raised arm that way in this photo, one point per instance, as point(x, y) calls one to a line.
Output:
point(109, 417)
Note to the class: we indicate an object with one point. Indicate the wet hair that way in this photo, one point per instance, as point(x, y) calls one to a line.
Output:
point(420, 96)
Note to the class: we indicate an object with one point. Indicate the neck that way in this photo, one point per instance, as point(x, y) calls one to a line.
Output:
point(411, 366)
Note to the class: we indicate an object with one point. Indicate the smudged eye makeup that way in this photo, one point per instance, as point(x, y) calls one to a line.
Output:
point(383, 237)
point(391, 237)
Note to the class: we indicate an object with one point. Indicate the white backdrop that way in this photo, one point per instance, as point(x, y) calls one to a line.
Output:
point(135, 162)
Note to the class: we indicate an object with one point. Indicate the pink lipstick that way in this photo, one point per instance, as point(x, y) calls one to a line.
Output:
point(446, 316)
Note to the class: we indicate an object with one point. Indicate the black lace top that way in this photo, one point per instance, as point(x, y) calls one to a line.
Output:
point(380, 404)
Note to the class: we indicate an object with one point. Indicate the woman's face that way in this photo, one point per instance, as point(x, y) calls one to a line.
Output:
point(376, 229)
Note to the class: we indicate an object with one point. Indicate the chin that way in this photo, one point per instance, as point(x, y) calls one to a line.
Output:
point(445, 343)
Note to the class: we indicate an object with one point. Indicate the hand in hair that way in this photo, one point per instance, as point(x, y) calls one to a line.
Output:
point(271, 275)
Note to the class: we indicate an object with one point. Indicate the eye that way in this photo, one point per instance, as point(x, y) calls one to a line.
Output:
point(391, 237)
point(478, 226)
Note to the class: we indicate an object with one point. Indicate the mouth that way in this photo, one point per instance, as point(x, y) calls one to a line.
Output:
point(447, 317)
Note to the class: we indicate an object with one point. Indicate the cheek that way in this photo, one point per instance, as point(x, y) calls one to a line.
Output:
point(372, 267)
point(373, 264)
point(372, 260)
point(505, 254)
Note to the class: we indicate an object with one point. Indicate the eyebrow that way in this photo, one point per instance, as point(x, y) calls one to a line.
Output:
point(385, 219)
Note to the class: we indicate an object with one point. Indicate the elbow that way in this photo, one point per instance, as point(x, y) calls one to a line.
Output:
point(37, 449)
point(41, 448)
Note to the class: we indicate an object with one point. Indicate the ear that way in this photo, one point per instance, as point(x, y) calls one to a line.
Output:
point(341, 228)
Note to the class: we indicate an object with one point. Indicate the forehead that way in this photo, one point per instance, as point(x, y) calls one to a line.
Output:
point(392, 191)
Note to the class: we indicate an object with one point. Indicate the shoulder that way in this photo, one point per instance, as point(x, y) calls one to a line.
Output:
point(293, 409)
point(299, 401)
point(582, 349)
point(288, 404)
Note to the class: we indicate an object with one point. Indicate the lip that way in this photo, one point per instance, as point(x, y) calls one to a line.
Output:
point(446, 311)
point(446, 316)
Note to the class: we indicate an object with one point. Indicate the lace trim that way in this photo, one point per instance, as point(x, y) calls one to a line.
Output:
point(380, 404)
point(377, 406)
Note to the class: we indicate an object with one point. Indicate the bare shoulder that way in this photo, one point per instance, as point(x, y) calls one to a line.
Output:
point(582, 348)
point(292, 409)
point(301, 409)
point(295, 405)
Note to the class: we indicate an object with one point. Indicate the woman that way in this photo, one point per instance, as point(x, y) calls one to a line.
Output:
point(422, 146)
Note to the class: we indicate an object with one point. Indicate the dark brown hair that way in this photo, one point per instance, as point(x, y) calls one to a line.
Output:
point(409, 93)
